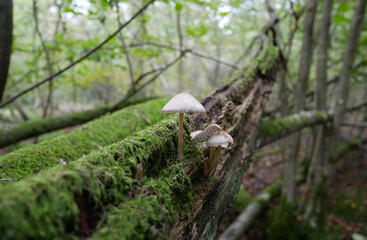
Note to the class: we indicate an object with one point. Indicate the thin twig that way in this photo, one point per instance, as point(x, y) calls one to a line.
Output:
point(133, 90)
point(187, 50)
point(48, 60)
point(12, 99)
point(130, 66)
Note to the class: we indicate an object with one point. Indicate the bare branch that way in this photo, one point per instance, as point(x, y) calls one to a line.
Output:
point(130, 66)
point(187, 50)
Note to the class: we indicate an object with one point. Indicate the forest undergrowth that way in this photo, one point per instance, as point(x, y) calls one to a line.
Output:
point(347, 201)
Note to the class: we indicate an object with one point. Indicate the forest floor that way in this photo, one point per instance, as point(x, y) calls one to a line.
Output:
point(347, 200)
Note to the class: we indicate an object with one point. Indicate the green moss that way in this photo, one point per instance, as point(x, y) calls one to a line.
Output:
point(267, 58)
point(46, 206)
point(267, 153)
point(242, 201)
point(279, 125)
point(149, 214)
point(101, 132)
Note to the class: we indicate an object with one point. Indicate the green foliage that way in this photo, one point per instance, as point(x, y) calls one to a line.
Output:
point(243, 200)
point(284, 225)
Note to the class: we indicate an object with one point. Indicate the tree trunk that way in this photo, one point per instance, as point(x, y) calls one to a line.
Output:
point(291, 151)
point(6, 38)
point(318, 159)
point(350, 51)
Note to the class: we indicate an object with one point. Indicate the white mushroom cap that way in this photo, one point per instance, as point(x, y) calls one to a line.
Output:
point(222, 139)
point(183, 103)
point(203, 136)
point(193, 134)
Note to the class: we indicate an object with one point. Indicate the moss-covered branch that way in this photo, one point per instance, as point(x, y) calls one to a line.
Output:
point(71, 146)
point(272, 130)
point(41, 126)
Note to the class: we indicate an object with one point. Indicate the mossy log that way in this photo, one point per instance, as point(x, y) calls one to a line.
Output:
point(41, 126)
point(65, 200)
point(92, 136)
point(97, 196)
point(272, 130)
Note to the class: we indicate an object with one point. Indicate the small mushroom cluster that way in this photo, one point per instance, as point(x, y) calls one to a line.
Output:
point(213, 135)
point(216, 139)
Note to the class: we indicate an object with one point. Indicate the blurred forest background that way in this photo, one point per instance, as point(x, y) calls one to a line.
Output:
point(197, 46)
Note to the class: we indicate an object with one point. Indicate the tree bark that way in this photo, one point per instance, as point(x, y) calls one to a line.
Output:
point(291, 151)
point(6, 38)
point(319, 155)
point(350, 51)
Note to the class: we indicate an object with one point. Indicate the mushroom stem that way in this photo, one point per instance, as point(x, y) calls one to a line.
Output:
point(139, 172)
point(180, 136)
point(216, 158)
point(209, 163)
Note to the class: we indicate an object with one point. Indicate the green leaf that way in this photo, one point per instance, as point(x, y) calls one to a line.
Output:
point(178, 7)
point(338, 19)
point(68, 9)
point(223, 14)
point(343, 8)
point(197, 31)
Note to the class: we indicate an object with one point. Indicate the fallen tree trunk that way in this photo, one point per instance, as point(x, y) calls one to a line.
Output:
point(92, 136)
point(35, 128)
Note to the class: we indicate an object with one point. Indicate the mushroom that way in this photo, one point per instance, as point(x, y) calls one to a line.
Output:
point(202, 136)
point(219, 140)
point(139, 172)
point(182, 103)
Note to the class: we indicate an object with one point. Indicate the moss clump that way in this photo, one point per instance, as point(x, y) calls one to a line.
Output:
point(47, 206)
point(243, 200)
point(99, 133)
point(149, 214)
